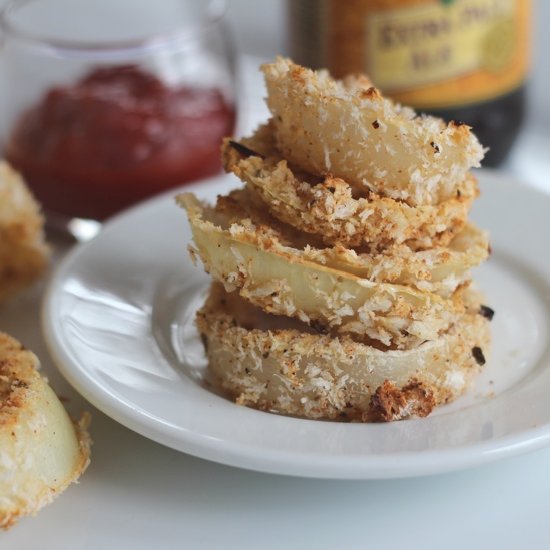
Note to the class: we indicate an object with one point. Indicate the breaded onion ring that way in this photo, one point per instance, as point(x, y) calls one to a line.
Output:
point(347, 129)
point(41, 450)
point(440, 270)
point(284, 283)
point(329, 206)
point(294, 371)
point(23, 252)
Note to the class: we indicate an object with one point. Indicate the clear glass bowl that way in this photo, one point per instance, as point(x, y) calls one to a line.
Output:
point(107, 103)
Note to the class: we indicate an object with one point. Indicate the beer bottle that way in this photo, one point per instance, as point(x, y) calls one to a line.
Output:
point(463, 60)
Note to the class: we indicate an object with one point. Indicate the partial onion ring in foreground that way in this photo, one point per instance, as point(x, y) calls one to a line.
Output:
point(284, 283)
point(335, 210)
point(41, 451)
point(295, 371)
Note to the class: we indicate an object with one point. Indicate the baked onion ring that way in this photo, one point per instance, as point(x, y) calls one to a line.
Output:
point(440, 270)
point(281, 282)
point(41, 450)
point(330, 208)
point(347, 129)
point(295, 371)
point(23, 252)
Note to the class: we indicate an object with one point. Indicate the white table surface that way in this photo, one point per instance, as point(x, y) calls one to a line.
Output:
point(137, 494)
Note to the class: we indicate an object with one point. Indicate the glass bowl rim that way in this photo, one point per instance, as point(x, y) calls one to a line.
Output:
point(214, 13)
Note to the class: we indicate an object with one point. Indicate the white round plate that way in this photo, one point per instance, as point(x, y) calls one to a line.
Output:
point(118, 318)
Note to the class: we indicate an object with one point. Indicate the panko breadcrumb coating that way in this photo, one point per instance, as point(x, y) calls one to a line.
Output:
point(342, 285)
point(440, 270)
point(283, 282)
point(347, 129)
point(41, 450)
point(23, 252)
point(336, 211)
point(299, 372)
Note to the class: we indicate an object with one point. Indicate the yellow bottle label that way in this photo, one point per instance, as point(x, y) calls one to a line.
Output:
point(448, 53)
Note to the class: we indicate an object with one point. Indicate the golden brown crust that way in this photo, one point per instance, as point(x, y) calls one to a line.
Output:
point(336, 211)
point(291, 369)
point(389, 403)
point(41, 450)
point(281, 281)
point(23, 252)
point(440, 270)
point(342, 284)
point(325, 127)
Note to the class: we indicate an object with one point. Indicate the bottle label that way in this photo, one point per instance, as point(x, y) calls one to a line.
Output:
point(448, 52)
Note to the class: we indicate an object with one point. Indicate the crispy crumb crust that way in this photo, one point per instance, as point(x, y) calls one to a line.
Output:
point(331, 208)
point(295, 371)
point(282, 282)
point(347, 129)
point(41, 450)
point(23, 252)
point(440, 270)
point(389, 402)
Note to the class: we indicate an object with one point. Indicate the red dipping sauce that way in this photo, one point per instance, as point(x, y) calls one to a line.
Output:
point(115, 137)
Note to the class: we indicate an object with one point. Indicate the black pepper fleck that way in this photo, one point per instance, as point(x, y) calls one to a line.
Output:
point(317, 326)
point(244, 150)
point(487, 312)
point(477, 352)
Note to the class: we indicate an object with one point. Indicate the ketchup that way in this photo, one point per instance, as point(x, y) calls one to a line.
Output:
point(115, 137)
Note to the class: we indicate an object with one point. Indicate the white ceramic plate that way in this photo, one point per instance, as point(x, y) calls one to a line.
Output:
point(118, 321)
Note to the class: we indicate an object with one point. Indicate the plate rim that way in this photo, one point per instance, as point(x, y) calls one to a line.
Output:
point(379, 466)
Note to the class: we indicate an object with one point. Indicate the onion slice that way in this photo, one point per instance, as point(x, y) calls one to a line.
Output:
point(347, 129)
point(440, 270)
point(41, 450)
point(333, 209)
point(295, 371)
point(284, 283)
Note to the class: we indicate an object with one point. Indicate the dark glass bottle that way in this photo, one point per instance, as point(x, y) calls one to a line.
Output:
point(496, 122)
point(462, 60)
